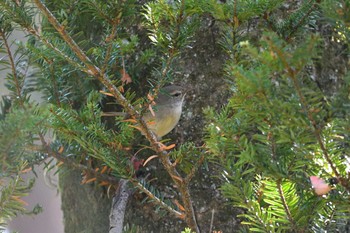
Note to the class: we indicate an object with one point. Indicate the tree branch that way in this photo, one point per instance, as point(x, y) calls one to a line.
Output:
point(13, 66)
point(157, 200)
point(110, 39)
point(292, 73)
point(72, 164)
point(285, 205)
point(151, 137)
point(120, 200)
point(194, 169)
point(294, 29)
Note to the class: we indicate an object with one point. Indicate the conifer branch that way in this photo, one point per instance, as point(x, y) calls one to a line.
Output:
point(103, 177)
point(11, 203)
point(193, 170)
point(316, 130)
point(158, 148)
point(95, 71)
point(292, 73)
point(110, 38)
point(179, 21)
point(183, 185)
point(31, 30)
point(56, 50)
point(301, 21)
point(76, 166)
point(161, 203)
point(56, 92)
point(235, 25)
point(100, 12)
point(13, 67)
point(122, 192)
point(92, 70)
point(172, 49)
point(285, 205)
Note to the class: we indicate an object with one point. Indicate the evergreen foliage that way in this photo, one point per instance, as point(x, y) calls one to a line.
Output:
point(20, 124)
point(10, 200)
point(279, 127)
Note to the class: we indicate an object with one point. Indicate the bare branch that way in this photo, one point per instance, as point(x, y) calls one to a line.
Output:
point(120, 199)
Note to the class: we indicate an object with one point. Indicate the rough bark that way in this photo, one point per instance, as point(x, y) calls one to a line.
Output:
point(85, 207)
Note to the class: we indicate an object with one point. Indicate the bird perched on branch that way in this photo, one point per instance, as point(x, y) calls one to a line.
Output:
point(165, 111)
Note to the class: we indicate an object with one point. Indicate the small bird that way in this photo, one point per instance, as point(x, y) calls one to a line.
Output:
point(166, 111)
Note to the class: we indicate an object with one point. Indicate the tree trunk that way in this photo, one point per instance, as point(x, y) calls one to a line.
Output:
point(85, 207)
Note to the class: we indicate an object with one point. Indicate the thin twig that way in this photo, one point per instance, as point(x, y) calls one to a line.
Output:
point(295, 28)
point(13, 67)
point(54, 86)
point(31, 30)
point(285, 205)
point(95, 71)
point(103, 177)
point(109, 39)
point(138, 185)
point(194, 169)
point(77, 166)
point(212, 221)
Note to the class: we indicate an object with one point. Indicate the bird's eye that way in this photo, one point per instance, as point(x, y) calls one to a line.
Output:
point(176, 94)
